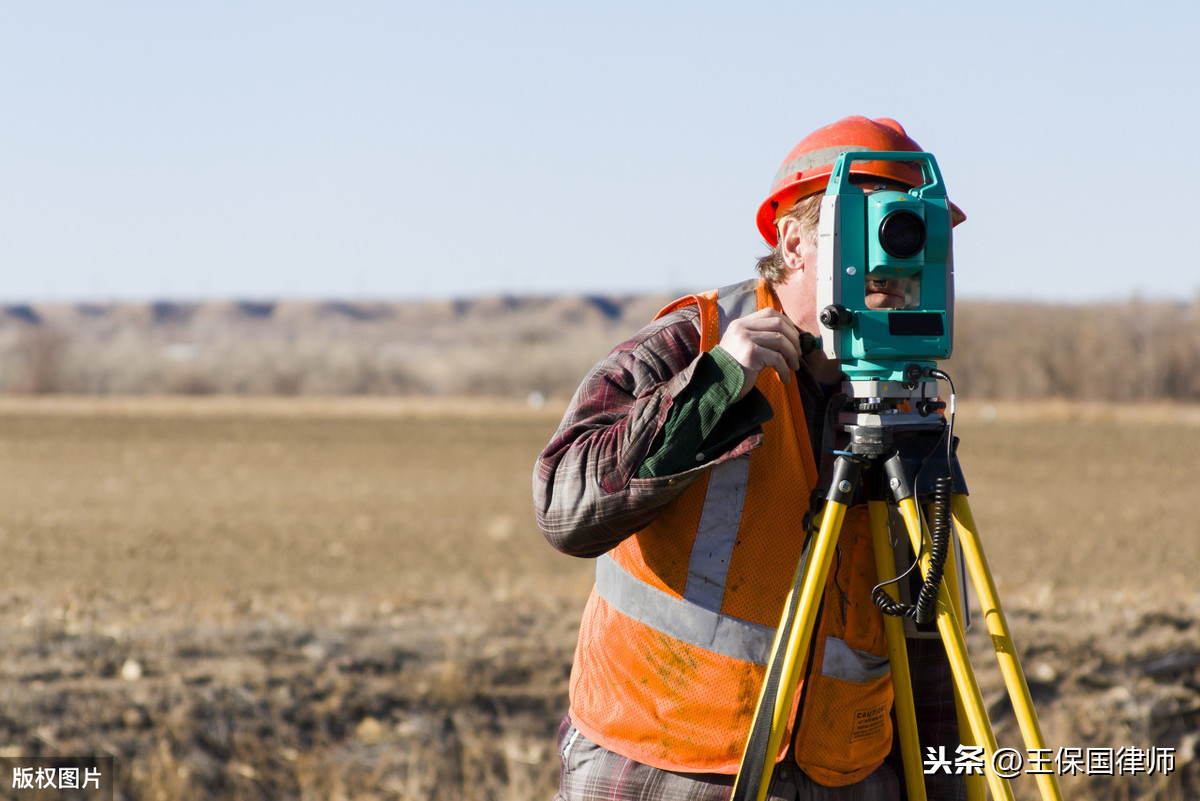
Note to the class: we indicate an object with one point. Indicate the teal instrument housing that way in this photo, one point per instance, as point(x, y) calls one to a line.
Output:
point(885, 235)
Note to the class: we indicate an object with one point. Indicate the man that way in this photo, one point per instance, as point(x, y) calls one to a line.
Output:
point(686, 463)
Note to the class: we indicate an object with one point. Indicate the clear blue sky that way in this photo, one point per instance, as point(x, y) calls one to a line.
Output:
point(172, 150)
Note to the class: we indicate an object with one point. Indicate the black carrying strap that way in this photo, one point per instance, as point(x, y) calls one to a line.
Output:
point(749, 777)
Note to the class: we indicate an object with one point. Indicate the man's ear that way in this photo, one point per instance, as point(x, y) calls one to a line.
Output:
point(791, 238)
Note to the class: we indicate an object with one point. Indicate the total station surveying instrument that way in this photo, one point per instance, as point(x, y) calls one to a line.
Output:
point(901, 458)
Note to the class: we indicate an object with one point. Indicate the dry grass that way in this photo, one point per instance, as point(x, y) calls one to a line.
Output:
point(315, 598)
point(513, 346)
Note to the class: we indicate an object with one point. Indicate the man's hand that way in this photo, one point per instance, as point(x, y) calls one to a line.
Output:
point(760, 340)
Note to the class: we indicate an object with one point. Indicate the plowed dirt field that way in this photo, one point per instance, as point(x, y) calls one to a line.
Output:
point(349, 599)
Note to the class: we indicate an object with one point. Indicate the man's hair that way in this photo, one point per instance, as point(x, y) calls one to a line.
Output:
point(807, 211)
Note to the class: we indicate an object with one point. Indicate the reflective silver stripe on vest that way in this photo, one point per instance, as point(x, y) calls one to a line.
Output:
point(717, 533)
point(682, 619)
point(734, 301)
point(816, 158)
point(721, 517)
point(843, 662)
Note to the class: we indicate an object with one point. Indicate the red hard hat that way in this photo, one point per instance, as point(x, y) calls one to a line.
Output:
point(806, 169)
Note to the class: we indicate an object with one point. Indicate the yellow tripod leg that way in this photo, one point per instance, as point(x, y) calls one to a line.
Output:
point(810, 582)
point(1006, 652)
point(906, 716)
point(974, 782)
point(956, 652)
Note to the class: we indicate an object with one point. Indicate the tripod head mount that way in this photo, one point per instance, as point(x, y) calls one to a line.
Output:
point(874, 411)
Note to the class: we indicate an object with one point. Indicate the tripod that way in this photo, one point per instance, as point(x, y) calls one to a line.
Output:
point(895, 459)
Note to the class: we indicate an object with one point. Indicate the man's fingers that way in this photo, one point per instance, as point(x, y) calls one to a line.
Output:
point(771, 350)
point(765, 339)
point(774, 359)
point(769, 321)
point(785, 345)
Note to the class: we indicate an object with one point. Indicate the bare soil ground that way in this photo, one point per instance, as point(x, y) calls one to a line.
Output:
point(302, 598)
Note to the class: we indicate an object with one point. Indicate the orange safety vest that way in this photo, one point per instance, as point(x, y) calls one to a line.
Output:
point(679, 626)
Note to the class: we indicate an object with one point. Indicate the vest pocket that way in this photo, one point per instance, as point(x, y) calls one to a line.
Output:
point(840, 661)
point(845, 728)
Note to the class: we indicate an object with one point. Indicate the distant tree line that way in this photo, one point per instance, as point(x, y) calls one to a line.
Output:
point(538, 347)
point(1113, 352)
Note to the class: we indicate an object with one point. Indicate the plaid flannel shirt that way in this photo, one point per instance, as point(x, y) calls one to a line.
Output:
point(587, 496)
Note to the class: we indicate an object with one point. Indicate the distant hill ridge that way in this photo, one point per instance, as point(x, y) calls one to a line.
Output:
point(517, 346)
point(165, 311)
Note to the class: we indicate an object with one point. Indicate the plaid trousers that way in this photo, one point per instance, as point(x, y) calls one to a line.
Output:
point(593, 773)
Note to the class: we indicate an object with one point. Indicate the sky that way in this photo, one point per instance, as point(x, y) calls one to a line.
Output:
point(410, 150)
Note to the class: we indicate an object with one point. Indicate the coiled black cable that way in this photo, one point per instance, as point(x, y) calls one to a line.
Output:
point(925, 608)
point(939, 534)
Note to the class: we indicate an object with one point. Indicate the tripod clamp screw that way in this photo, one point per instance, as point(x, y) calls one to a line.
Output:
point(928, 407)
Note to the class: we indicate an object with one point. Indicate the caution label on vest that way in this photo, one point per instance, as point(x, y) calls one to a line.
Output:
point(868, 723)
